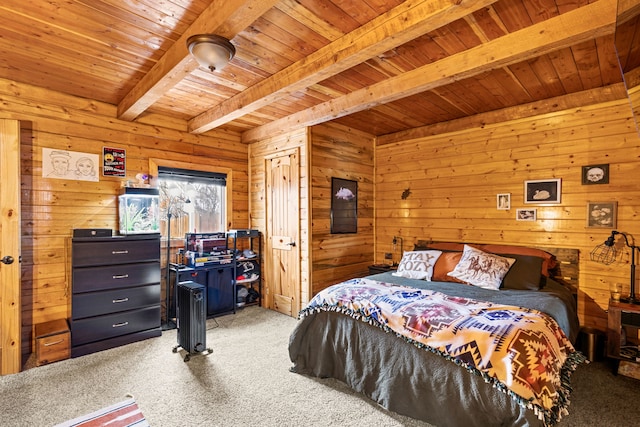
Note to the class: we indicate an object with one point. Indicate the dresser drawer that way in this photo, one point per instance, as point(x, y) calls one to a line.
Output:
point(88, 279)
point(114, 251)
point(112, 325)
point(105, 302)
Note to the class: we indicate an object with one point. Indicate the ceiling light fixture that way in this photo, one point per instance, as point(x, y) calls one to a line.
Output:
point(211, 51)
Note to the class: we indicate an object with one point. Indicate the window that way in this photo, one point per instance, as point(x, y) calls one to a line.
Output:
point(191, 201)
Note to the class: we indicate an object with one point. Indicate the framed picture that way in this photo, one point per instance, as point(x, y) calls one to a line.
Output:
point(503, 201)
point(595, 174)
point(526, 214)
point(65, 164)
point(542, 191)
point(601, 214)
point(344, 206)
point(114, 162)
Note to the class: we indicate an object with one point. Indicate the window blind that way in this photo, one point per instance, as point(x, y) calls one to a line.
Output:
point(192, 176)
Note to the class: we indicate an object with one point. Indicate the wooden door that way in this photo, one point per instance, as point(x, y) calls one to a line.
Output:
point(10, 305)
point(283, 230)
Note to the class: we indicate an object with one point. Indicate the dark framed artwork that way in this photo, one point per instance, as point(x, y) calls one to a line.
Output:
point(344, 206)
point(542, 191)
point(602, 214)
point(595, 174)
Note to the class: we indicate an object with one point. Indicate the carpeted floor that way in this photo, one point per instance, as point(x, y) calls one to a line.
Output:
point(245, 382)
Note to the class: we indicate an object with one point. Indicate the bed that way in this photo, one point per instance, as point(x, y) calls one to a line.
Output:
point(460, 334)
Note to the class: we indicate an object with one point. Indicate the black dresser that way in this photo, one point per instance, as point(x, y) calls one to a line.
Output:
point(116, 291)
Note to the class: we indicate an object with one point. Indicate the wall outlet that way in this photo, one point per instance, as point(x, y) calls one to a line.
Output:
point(388, 255)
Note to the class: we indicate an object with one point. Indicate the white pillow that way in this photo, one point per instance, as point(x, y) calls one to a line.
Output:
point(417, 264)
point(481, 269)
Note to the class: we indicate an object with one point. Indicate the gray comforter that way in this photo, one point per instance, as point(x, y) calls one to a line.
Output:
point(409, 380)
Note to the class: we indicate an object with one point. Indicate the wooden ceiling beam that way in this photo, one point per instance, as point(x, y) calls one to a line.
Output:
point(223, 17)
point(400, 25)
point(585, 23)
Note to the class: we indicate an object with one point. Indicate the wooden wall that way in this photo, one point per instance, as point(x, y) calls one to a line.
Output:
point(341, 152)
point(452, 179)
point(51, 208)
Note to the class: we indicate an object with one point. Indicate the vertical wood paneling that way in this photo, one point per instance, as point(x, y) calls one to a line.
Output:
point(453, 178)
point(258, 152)
point(52, 208)
point(335, 151)
point(10, 298)
point(341, 152)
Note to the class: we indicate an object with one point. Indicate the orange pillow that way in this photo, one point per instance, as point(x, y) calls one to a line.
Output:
point(444, 264)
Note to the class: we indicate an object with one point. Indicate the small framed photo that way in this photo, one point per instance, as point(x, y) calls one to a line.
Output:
point(526, 214)
point(503, 201)
point(602, 214)
point(595, 174)
point(542, 191)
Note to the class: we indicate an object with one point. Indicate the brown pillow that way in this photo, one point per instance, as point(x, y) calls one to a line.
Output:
point(446, 262)
point(449, 246)
point(524, 274)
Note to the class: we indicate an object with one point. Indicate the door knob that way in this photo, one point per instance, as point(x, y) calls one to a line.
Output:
point(7, 259)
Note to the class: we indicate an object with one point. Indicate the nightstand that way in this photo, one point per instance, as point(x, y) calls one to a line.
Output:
point(622, 337)
point(381, 268)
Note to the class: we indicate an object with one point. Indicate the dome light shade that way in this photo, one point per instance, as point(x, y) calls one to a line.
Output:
point(211, 51)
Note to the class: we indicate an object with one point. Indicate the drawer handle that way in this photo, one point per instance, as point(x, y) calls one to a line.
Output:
point(119, 325)
point(120, 276)
point(119, 252)
point(47, 344)
point(116, 301)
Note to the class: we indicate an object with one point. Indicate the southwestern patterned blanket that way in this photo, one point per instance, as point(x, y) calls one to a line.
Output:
point(521, 351)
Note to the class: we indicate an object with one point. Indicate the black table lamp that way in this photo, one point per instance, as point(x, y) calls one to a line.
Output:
point(606, 253)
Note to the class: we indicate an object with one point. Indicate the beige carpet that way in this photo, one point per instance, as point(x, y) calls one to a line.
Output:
point(244, 382)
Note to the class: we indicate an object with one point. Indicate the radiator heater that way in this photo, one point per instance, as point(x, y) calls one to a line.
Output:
point(191, 319)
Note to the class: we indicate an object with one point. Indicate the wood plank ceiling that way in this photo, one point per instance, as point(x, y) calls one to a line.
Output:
point(381, 66)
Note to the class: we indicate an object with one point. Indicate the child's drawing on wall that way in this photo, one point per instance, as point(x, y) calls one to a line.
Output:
point(64, 164)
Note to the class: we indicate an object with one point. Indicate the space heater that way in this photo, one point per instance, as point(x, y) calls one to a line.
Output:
point(192, 316)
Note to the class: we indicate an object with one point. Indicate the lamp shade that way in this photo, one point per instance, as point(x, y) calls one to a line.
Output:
point(606, 253)
point(211, 51)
